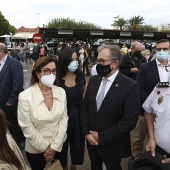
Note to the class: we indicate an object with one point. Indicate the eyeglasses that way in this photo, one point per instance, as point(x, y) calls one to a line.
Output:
point(164, 49)
point(101, 61)
point(48, 71)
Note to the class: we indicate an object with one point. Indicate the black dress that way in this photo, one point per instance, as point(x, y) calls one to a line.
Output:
point(74, 136)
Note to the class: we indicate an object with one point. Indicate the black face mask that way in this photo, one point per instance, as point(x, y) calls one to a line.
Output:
point(137, 53)
point(103, 70)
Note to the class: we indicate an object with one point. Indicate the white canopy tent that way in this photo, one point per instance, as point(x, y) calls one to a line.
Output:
point(4, 36)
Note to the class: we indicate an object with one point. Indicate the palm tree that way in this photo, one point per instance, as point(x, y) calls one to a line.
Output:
point(135, 23)
point(120, 23)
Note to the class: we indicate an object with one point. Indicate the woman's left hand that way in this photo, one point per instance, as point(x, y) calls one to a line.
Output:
point(49, 153)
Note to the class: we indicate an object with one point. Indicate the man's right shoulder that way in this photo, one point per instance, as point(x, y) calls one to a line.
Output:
point(148, 64)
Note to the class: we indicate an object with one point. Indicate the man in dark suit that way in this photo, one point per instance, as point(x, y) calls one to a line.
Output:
point(109, 111)
point(11, 84)
point(148, 77)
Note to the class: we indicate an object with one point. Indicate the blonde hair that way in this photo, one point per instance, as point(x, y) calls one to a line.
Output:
point(144, 52)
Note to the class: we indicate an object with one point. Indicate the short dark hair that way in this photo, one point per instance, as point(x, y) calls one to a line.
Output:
point(41, 62)
point(163, 41)
point(65, 60)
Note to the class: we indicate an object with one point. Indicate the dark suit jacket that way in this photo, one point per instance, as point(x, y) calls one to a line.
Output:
point(128, 63)
point(147, 78)
point(11, 82)
point(116, 117)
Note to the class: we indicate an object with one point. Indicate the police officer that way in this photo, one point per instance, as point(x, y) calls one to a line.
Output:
point(157, 115)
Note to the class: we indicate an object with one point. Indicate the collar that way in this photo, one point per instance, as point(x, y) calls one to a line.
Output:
point(112, 77)
point(38, 94)
point(4, 59)
point(158, 63)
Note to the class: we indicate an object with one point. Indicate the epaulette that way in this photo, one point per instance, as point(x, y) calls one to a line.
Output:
point(162, 84)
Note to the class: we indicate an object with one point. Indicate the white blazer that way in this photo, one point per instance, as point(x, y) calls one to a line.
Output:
point(41, 127)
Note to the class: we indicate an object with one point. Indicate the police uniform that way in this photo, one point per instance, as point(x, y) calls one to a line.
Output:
point(158, 104)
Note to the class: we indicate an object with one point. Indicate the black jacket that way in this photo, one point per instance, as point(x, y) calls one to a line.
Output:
point(128, 62)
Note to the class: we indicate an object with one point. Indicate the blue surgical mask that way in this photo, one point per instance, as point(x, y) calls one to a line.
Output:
point(73, 66)
point(162, 55)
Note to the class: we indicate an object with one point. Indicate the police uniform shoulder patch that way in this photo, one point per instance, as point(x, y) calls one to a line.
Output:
point(163, 84)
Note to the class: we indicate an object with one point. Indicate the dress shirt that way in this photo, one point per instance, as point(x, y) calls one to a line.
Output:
point(158, 104)
point(2, 62)
point(108, 85)
point(163, 74)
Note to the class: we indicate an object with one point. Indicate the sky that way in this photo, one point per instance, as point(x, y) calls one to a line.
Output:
point(33, 13)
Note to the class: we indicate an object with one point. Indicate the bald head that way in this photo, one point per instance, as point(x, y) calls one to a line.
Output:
point(136, 45)
point(3, 47)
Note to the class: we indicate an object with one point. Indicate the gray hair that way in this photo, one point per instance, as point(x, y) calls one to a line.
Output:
point(115, 51)
point(135, 43)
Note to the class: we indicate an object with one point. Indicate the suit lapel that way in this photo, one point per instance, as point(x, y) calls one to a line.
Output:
point(155, 71)
point(113, 89)
point(5, 67)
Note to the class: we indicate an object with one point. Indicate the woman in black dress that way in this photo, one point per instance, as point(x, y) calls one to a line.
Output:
point(74, 83)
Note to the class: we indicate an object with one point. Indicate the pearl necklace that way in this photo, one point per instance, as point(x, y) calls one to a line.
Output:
point(46, 93)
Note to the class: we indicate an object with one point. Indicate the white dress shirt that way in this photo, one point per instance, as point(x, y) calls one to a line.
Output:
point(108, 85)
point(163, 74)
point(2, 62)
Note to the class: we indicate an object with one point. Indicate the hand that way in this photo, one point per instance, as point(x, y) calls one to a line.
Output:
point(95, 135)
point(166, 161)
point(49, 154)
point(8, 104)
point(151, 145)
point(134, 70)
point(91, 140)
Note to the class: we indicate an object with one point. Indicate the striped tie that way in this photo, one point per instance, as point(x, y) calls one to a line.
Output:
point(101, 94)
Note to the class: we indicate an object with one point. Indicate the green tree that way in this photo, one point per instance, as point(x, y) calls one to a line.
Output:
point(5, 27)
point(149, 28)
point(135, 23)
point(120, 23)
point(68, 23)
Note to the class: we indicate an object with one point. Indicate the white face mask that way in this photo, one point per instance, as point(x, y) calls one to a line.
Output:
point(48, 80)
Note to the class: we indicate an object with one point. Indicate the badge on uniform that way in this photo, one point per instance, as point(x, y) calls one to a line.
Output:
point(163, 84)
point(160, 99)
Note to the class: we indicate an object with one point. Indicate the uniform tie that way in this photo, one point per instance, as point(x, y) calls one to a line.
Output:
point(101, 94)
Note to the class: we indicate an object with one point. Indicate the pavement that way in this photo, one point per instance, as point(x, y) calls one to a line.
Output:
point(86, 166)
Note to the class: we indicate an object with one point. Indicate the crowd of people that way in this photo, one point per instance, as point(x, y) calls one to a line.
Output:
point(60, 110)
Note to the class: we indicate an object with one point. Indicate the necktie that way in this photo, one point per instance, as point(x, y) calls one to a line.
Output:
point(101, 94)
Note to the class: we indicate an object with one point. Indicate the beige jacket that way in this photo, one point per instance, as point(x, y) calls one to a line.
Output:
point(14, 147)
point(41, 127)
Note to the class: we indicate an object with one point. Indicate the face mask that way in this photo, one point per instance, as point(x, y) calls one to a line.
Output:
point(162, 55)
point(137, 53)
point(103, 70)
point(147, 57)
point(73, 66)
point(48, 80)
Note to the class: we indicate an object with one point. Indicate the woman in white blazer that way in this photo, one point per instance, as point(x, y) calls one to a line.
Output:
point(42, 114)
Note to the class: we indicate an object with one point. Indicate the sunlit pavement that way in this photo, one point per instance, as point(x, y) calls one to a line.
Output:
point(86, 166)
